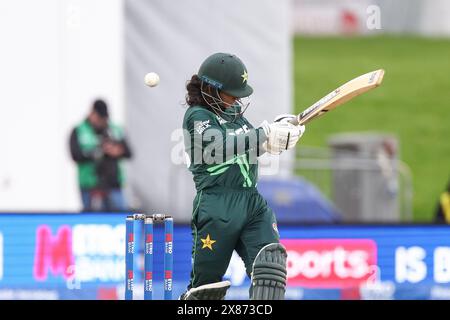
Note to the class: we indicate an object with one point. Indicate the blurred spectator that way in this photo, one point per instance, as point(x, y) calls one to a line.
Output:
point(443, 207)
point(98, 146)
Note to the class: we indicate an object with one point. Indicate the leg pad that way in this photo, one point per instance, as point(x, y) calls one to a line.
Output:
point(269, 273)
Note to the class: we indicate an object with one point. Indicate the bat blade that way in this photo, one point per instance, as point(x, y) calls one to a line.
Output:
point(339, 96)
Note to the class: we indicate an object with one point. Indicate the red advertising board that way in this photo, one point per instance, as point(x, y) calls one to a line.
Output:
point(330, 263)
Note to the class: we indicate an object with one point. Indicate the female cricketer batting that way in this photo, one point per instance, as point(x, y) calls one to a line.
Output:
point(229, 214)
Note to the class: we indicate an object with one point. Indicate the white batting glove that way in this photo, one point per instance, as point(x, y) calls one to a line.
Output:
point(280, 136)
point(287, 118)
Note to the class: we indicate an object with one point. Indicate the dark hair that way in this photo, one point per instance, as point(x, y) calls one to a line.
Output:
point(194, 95)
point(100, 107)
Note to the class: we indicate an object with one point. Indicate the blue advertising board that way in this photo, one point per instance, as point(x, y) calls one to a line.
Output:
point(81, 256)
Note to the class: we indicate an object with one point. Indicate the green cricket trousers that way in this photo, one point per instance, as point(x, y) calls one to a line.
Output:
point(223, 220)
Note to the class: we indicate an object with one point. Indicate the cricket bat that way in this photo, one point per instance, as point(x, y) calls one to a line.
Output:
point(339, 96)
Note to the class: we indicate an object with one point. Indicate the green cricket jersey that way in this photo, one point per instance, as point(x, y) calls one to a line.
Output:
point(222, 153)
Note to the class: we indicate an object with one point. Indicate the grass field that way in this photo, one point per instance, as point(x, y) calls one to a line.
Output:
point(413, 102)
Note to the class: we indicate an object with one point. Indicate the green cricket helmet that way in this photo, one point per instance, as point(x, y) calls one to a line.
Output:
point(227, 73)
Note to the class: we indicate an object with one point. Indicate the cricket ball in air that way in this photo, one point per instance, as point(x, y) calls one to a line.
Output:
point(151, 79)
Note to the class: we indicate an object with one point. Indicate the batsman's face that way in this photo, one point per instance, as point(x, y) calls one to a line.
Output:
point(229, 100)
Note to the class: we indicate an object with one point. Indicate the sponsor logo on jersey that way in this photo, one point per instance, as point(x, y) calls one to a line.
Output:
point(200, 127)
point(243, 129)
point(221, 120)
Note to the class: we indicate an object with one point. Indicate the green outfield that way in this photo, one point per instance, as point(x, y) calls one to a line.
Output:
point(413, 102)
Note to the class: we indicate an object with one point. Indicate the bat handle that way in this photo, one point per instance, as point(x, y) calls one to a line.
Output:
point(295, 121)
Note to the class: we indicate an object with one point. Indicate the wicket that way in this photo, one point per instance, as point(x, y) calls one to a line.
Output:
point(148, 254)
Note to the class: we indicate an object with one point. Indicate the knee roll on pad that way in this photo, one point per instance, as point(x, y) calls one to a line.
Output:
point(211, 291)
point(269, 273)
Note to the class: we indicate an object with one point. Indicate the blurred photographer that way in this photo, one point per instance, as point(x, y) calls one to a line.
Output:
point(98, 146)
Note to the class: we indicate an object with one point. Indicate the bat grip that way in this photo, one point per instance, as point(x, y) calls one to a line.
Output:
point(295, 121)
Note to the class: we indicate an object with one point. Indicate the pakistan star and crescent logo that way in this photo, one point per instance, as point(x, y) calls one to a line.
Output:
point(244, 76)
point(208, 242)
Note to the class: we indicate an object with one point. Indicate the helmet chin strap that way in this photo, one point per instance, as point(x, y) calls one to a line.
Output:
point(218, 104)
